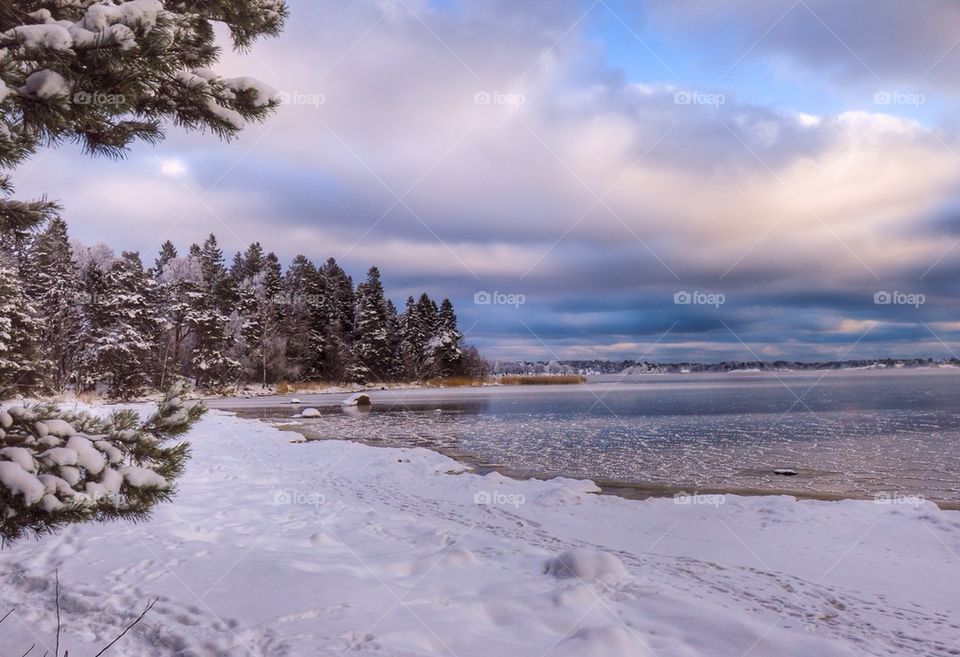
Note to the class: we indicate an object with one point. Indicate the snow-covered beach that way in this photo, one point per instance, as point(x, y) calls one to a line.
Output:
point(327, 548)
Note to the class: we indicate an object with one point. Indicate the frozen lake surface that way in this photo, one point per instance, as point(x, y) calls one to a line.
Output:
point(846, 433)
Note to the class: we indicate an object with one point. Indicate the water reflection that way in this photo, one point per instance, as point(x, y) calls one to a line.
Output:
point(857, 434)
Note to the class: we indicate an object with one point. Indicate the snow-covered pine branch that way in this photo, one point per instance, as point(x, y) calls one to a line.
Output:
point(59, 467)
point(107, 73)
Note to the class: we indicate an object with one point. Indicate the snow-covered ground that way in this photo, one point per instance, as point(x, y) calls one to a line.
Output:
point(332, 548)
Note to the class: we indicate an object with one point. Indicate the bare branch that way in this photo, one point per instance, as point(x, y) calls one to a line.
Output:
point(56, 650)
point(129, 627)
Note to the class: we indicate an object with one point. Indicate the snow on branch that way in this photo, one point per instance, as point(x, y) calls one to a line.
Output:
point(58, 467)
point(109, 73)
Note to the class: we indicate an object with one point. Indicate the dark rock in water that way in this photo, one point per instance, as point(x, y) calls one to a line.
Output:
point(785, 472)
point(358, 399)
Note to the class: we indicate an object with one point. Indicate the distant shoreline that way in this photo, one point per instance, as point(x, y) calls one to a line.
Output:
point(631, 367)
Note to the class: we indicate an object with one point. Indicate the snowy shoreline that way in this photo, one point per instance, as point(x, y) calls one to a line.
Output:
point(273, 548)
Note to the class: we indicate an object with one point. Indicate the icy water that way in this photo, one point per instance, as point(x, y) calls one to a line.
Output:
point(847, 434)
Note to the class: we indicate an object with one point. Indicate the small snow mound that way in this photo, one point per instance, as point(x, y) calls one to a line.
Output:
point(587, 566)
point(604, 640)
point(576, 596)
point(310, 412)
point(322, 538)
point(452, 558)
point(359, 399)
point(295, 401)
point(458, 557)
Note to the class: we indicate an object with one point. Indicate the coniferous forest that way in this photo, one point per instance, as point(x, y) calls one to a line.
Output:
point(87, 319)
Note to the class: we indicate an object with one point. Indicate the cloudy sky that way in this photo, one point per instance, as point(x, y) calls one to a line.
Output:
point(657, 179)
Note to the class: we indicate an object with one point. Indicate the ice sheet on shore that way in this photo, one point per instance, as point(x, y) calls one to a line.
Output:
point(325, 548)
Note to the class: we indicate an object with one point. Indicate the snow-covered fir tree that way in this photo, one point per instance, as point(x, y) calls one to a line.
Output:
point(167, 253)
point(248, 264)
point(394, 368)
point(301, 293)
point(260, 344)
point(209, 316)
point(55, 285)
point(20, 363)
point(179, 292)
point(120, 328)
point(445, 351)
point(372, 354)
point(333, 320)
point(413, 341)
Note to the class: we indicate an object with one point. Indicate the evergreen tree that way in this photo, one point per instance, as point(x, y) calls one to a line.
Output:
point(167, 253)
point(261, 347)
point(248, 264)
point(56, 288)
point(428, 311)
point(411, 341)
point(120, 328)
point(371, 336)
point(208, 319)
point(216, 280)
point(19, 357)
point(211, 364)
point(301, 292)
point(445, 351)
point(179, 293)
point(272, 280)
point(332, 323)
point(249, 330)
point(394, 369)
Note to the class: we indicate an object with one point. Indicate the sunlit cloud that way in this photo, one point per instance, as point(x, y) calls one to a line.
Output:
point(510, 150)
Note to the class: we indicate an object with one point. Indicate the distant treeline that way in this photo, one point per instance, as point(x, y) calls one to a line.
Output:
point(642, 367)
point(83, 318)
